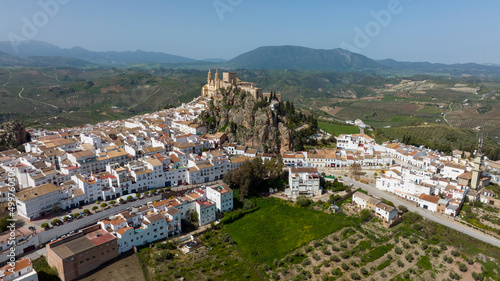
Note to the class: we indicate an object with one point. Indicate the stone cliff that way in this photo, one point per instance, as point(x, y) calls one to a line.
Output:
point(248, 120)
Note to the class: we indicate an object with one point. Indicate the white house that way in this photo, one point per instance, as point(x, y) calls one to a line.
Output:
point(303, 181)
point(386, 212)
point(21, 271)
point(222, 195)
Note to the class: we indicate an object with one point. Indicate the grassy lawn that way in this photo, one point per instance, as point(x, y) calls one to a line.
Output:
point(277, 228)
point(45, 272)
point(337, 129)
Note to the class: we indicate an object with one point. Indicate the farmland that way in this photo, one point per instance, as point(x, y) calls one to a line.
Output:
point(283, 242)
point(336, 129)
point(256, 234)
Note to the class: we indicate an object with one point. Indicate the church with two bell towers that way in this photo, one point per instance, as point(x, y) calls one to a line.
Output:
point(229, 79)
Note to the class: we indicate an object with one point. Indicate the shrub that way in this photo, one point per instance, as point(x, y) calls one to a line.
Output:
point(477, 276)
point(455, 276)
point(455, 253)
point(364, 271)
point(443, 246)
point(417, 227)
point(403, 208)
point(389, 256)
point(326, 251)
point(344, 255)
point(470, 261)
point(435, 252)
point(462, 267)
point(413, 240)
point(406, 245)
point(335, 248)
point(352, 240)
point(354, 263)
point(303, 201)
point(398, 250)
point(327, 264)
point(275, 276)
point(335, 238)
point(335, 258)
point(409, 257)
point(424, 246)
point(383, 275)
point(344, 266)
point(306, 262)
point(355, 276)
point(343, 245)
point(316, 256)
point(308, 249)
point(365, 215)
point(326, 241)
point(316, 244)
point(316, 270)
point(400, 263)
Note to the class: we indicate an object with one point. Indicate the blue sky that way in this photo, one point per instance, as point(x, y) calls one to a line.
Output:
point(437, 31)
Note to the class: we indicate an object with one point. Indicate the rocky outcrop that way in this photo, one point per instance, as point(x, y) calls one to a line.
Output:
point(249, 121)
point(13, 134)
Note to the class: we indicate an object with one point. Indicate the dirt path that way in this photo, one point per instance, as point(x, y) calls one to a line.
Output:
point(444, 116)
point(40, 102)
point(145, 99)
point(8, 81)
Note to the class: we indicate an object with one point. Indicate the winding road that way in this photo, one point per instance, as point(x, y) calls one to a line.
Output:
point(444, 116)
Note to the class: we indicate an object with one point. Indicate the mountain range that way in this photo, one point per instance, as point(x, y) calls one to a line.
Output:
point(42, 54)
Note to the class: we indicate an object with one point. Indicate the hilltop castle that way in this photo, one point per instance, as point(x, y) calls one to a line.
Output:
point(229, 79)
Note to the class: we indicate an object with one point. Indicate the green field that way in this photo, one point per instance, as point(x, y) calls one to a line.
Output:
point(337, 129)
point(277, 228)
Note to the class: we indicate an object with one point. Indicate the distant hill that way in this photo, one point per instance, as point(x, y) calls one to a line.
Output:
point(294, 57)
point(454, 69)
point(38, 48)
point(42, 61)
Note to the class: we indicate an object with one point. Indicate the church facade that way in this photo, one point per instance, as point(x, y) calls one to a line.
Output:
point(229, 79)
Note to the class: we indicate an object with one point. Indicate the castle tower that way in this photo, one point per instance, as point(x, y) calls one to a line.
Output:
point(217, 79)
point(209, 77)
point(478, 162)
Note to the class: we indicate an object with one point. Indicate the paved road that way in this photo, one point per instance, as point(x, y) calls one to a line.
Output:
point(427, 214)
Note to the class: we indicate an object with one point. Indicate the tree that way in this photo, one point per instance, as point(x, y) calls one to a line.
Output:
point(194, 217)
point(55, 222)
point(129, 197)
point(54, 208)
point(121, 200)
point(44, 225)
point(138, 195)
point(86, 211)
point(95, 208)
point(303, 201)
point(403, 208)
point(104, 205)
point(365, 215)
point(112, 202)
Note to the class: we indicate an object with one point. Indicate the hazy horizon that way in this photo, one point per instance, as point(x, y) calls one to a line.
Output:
point(405, 30)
